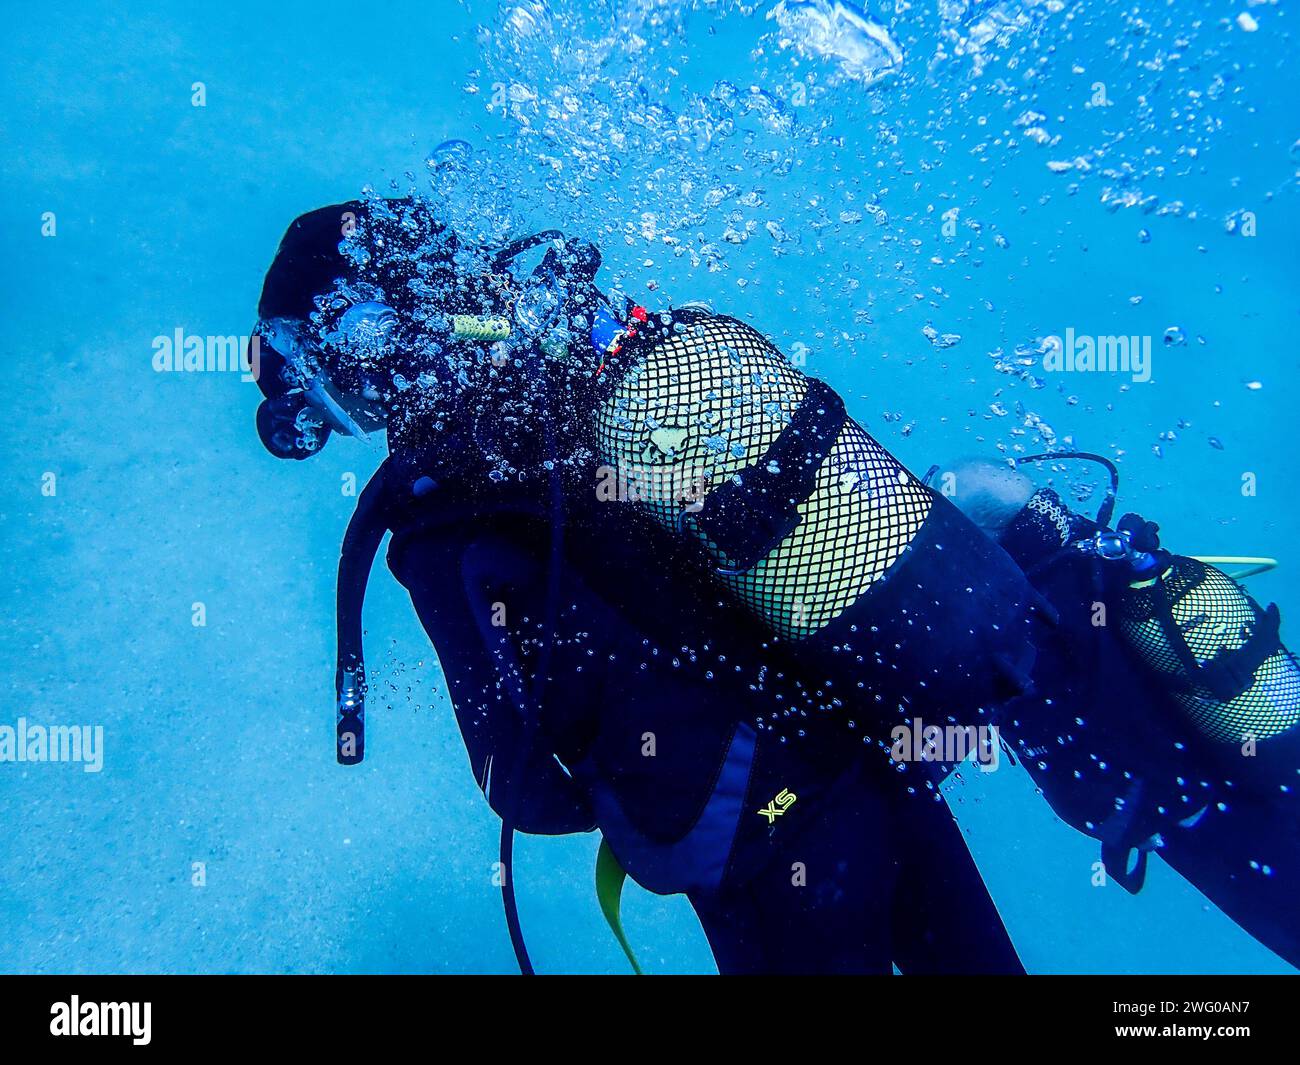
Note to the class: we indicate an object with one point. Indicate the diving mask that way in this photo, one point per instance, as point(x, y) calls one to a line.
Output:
point(363, 335)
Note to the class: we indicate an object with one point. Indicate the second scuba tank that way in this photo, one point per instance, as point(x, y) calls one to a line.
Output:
point(1220, 656)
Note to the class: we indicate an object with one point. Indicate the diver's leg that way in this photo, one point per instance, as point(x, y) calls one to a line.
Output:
point(821, 904)
point(733, 921)
point(944, 920)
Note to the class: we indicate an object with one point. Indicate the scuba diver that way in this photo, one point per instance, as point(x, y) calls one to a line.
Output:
point(678, 595)
point(1197, 758)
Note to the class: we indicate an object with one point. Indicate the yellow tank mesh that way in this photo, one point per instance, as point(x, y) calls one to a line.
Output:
point(1213, 614)
point(706, 402)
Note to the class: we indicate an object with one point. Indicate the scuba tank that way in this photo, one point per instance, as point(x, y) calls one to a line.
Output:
point(1210, 696)
point(1197, 634)
point(703, 409)
point(1220, 657)
point(1211, 649)
point(809, 522)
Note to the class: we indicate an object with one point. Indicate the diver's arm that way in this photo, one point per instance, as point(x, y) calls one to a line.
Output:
point(458, 586)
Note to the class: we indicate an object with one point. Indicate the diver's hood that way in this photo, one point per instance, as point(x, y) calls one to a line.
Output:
point(303, 404)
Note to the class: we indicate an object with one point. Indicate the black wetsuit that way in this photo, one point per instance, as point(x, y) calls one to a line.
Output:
point(874, 877)
point(651, 683)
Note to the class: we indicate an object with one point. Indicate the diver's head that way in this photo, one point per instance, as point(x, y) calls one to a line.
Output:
point(290, 421)
point(340, 376)
point(989, 493)
point(328, 360)
point(375, 314)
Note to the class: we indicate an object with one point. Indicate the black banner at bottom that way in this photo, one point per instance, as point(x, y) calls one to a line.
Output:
point(375, 1013)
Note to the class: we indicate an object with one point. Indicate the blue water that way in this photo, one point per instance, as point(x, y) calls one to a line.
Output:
point(792, 168)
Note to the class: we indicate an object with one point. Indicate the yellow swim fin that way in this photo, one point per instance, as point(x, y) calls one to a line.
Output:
point(609, 891)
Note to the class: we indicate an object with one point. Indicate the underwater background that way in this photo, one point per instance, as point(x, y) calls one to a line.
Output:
point(910, 195)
